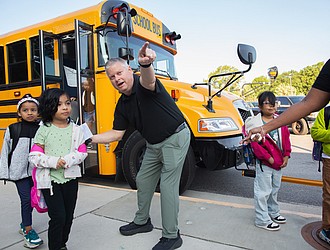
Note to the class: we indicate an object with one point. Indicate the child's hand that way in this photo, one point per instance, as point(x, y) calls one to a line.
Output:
point(285, 161)
point(271, 160)
point(60, 163)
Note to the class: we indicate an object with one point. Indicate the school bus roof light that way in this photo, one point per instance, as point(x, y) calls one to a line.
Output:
point(123, 14)
point(122, 8)
point(172, 37)
point(118, 8)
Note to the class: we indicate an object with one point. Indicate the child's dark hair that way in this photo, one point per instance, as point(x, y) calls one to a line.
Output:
point(267, 95)
point(49, 100)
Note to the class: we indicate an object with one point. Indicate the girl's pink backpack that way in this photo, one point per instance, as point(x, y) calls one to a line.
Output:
point(37, 199)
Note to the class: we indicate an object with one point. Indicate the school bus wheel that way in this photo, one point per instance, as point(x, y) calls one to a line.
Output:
point(132, 156)
point(188, 171)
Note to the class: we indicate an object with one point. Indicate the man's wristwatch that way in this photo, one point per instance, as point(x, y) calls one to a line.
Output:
point(145, 66)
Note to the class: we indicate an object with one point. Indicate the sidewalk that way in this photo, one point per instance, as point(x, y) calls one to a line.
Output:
point(206, 221)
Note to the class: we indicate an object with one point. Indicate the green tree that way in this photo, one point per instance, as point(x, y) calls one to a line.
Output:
point(250, 91)
point(307, 77)
point(220, 82)
point(283, 85)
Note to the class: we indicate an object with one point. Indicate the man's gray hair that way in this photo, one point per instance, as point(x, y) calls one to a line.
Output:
point(115, 60)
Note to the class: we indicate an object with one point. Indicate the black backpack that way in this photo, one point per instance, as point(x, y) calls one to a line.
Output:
point(317, 147)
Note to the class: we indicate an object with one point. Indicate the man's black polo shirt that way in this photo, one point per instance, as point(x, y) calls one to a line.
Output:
point(322, 81)
point(153, 113)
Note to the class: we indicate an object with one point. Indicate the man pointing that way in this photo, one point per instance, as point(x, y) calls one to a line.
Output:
point(146, 105)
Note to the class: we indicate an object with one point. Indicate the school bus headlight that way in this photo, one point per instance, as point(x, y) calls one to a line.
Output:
point(216, 125)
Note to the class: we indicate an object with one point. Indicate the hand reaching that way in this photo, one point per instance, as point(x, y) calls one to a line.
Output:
point(255, 134)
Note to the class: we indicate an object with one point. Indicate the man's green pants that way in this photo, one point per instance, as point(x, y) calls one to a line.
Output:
point(162, 161)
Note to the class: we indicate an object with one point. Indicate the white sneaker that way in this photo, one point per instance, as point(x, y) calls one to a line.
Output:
point(279, 219)
point(270, 227)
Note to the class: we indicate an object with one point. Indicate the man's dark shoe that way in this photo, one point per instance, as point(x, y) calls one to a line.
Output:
point(168, 244)
point(132, 228)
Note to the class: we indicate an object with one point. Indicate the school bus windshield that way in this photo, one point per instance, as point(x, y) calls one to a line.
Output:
point(110, 42)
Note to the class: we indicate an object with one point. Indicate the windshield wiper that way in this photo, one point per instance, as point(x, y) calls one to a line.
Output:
point(164, 71)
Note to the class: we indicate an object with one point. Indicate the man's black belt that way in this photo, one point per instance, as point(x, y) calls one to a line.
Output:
point(180, 127)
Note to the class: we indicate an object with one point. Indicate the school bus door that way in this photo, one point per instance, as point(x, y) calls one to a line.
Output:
point(50, 56)
point(85, 73)
point(68, 75)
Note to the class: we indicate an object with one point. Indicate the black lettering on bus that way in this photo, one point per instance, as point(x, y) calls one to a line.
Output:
point(156, 28)
point(146, 24)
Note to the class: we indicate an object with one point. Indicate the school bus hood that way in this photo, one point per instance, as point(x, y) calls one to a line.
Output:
point(192, 103)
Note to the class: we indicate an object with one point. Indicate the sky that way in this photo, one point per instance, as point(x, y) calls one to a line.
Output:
point(288, 34)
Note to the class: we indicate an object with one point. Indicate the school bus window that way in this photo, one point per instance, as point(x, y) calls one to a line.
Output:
point(161, 65)
point(2, 66)
point(49, 56)
point(69, 61)
point(17, 63)
point(109, 44)
point(85, 41)
point(102, 51)
point(69, 51)
point(35, 58)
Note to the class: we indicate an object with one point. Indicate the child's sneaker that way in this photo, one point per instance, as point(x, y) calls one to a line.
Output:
point(32, 239)
point(279, 219)
point(270, 227)
point(325, 235)
point(21, 229)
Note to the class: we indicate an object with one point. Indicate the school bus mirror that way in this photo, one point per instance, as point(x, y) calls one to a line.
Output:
point(124, 24)
point(126, 53)
point(246, 53)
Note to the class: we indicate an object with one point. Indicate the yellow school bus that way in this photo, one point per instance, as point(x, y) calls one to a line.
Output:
point(65, 51)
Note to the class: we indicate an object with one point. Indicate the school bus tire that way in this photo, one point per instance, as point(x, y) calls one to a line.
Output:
point(188, 171)
point(132, 155)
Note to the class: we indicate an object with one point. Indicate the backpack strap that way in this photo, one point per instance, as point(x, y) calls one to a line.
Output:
point(326, 116)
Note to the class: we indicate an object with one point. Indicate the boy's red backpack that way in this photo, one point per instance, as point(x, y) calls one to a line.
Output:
point(37, 199)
